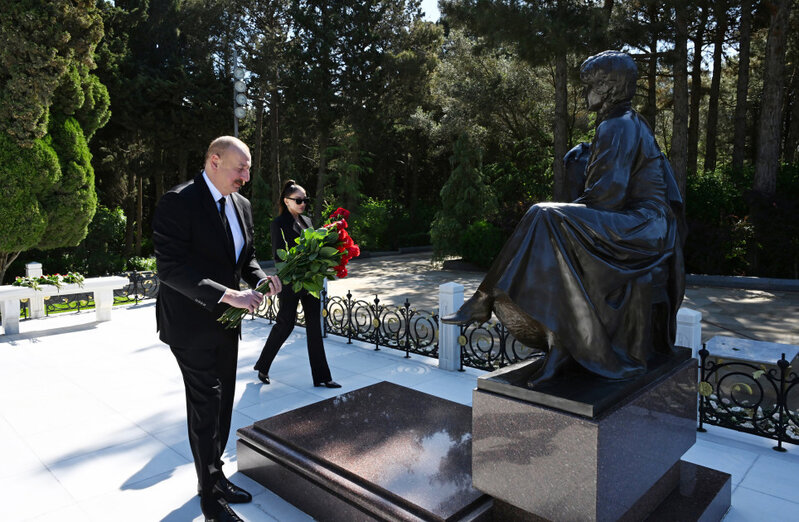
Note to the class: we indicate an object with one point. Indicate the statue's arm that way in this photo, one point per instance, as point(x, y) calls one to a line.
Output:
point(609, 169)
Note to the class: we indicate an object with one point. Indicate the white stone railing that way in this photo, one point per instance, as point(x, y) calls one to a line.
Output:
point(102, 288)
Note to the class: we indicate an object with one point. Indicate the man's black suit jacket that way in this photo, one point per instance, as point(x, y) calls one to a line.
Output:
point(195, 266)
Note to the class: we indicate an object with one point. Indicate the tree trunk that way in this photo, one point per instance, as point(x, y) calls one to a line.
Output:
point(257, 163)
point(696, 93)
point(159, 185)
point(679, 142)
point(768, 151)
point(651, 110)
point(274, 146)
point(139, 213)
point(130, 210)
point(792, 138)
point(183, 166)
point(715, 86)
point(560, 135)
point(321, 175)
point(742, 89)
point(6, 258)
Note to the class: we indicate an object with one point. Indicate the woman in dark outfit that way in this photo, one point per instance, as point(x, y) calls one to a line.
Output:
point(290, 223)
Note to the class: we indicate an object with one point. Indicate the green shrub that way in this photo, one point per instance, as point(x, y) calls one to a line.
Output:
point(465, 197)
point(382, 224)
point(720, 235)
point(480, 243)
point(100, 252)
point(369, 225)
point(141, 264)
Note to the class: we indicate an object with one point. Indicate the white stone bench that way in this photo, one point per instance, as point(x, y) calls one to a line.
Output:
point(102, 288)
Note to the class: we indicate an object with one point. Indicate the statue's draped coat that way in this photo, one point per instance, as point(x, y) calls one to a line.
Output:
point(585, 269)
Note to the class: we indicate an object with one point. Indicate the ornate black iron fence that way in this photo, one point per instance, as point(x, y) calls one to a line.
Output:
point(143, 286)
point(489, 346)
point(389, 326)
point(402, 327)
point(753, 398)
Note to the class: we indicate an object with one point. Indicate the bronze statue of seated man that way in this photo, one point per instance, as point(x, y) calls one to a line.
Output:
point(575, 279)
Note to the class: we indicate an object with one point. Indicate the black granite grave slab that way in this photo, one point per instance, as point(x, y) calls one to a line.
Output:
point(384, 452)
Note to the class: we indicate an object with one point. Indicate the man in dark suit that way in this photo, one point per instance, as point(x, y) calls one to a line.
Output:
point(203, 238)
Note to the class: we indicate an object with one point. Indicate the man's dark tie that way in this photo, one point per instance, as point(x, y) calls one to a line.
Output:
point(226, 225)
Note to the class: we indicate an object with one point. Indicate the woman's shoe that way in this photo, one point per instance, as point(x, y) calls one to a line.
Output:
point(328, 384)
point(263, 377)
point(477, 309)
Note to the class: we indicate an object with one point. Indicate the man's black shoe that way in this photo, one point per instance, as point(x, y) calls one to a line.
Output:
point(230, 492)
point(224, 513)
point(263, 377)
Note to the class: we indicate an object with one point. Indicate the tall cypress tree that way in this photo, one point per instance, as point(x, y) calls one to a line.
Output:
point(46, 95)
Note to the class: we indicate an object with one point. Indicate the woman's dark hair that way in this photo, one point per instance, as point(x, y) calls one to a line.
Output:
point(289, 187)
point(614, 72)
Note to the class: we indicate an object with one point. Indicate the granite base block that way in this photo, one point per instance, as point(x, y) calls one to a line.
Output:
point(701, 494)
point(563, 466)
point(383, 452)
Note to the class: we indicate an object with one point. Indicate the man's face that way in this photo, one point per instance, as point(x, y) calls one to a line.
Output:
point(232, 170)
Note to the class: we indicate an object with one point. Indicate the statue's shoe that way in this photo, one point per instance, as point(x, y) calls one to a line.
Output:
point(553, 367)
point(477, 309)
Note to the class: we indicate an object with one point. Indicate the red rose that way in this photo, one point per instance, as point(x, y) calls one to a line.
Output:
point(340, 212)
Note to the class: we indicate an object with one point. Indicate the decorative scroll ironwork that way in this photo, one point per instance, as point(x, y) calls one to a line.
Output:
point(68, 303)
point(270, 307)
point(142, 286)
point(490, 345)
point(400, 327)
point(753, 398)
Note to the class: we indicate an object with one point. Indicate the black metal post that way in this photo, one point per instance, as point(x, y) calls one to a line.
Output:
point(349, 317)
point(463, 347)
point(782, 404)
point(325, 312)
point(407, 306)
point(376, 323)
point(703, 353)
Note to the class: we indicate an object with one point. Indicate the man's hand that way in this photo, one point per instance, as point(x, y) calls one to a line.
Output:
point(246, 299)
point(275, 286)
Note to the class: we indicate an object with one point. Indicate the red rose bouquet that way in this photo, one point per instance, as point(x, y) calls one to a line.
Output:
point(321, 253)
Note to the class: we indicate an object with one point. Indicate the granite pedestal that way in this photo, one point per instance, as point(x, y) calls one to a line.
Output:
point(383, 452)
point(622, 463)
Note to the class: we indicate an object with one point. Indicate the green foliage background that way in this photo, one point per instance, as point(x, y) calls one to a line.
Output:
point(430, 133)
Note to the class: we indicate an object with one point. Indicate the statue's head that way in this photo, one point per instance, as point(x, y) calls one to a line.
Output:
point(610, 78)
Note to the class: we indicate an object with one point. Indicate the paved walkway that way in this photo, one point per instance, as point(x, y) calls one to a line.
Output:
point(92, 422)
point(753, 314)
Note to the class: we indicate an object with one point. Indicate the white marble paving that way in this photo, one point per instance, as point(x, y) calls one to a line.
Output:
point(92, 420)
